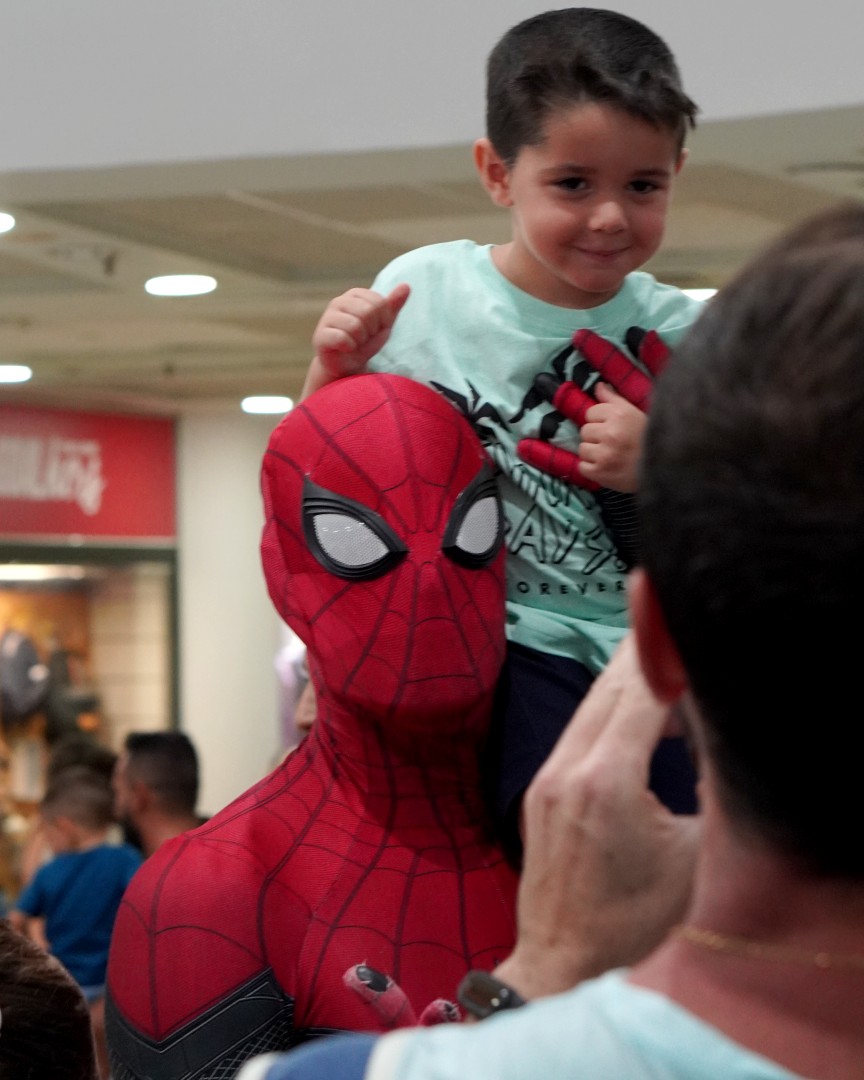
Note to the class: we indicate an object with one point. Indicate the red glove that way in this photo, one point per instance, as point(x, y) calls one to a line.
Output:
point(387, 1000)
point(614, 368)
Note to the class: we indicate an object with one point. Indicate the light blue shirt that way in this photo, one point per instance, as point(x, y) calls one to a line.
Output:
point(471, 334)
point(605, 1029)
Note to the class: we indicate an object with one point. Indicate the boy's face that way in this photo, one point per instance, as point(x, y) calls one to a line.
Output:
point(588, 204)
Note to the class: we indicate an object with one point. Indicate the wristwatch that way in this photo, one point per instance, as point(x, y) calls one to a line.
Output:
point(481, 994)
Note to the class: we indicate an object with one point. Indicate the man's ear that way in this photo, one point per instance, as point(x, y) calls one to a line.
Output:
point(140, 796)
point(658, 654)
point(682, 157)
point(493, 173)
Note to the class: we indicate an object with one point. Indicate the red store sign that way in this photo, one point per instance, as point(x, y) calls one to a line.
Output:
point(91, 475)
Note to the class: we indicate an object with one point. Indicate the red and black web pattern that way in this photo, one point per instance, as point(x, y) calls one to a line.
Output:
point(368, 846)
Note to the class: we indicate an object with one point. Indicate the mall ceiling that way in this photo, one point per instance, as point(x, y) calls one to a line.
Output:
point(284, 235)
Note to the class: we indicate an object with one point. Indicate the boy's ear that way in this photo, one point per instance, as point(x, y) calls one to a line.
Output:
point(66, 827)
point(493, 173)
point(658, 654)
point(682, 157)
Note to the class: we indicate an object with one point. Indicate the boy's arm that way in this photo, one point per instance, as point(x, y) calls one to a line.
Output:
point(18, 921)
point(30, 927)
point(352, 329)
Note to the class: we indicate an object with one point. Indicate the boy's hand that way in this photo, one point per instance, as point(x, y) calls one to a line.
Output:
point(354, 327)
point(611, 422)
point(611, 441)
point(608, 869)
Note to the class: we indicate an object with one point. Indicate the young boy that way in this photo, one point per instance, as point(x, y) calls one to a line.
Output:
point(586, 121)
point(78, 891)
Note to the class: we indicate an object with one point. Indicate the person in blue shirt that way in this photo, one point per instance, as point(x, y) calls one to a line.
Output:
point(70, 905)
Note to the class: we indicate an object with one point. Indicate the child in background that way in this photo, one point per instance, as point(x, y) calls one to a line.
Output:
point(76, 894)
point(586, 122)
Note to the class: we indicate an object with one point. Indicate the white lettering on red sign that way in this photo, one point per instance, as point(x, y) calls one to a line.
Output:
point(46, 470)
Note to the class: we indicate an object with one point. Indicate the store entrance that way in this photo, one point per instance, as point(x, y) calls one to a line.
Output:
point(87, 648)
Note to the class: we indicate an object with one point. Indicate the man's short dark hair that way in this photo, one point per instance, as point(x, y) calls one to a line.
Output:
point(562, 58)
point(752, 532)
point(167, 762)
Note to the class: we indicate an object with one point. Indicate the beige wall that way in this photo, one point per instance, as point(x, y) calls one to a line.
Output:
point(229, 632)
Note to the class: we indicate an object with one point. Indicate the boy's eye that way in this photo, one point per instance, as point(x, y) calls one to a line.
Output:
point(571, 183)
point(644, 187)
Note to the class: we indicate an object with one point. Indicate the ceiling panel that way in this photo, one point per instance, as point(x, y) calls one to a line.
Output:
point(283, 237)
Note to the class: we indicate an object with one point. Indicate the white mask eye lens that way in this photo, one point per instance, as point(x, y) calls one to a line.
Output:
point(348, 541)
point(475, 532)
point(478, 532)
point(347, 538)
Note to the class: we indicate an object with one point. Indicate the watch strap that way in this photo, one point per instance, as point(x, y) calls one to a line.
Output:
point(482, 994)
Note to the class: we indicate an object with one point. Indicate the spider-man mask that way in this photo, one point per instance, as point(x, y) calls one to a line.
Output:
point(382, 549)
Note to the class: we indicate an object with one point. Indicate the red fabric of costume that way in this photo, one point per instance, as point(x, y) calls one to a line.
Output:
point(369, 844)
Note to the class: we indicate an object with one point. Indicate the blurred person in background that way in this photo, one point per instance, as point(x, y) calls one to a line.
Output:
point(70, 905)
point(155, 782)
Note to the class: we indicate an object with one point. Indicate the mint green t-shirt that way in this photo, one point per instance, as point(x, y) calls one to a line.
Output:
point(479, 340)
point(605, 1029)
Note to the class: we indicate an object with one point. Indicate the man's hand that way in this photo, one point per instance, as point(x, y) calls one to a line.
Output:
point(354, 327)
point(608, 869)
point(611, 419)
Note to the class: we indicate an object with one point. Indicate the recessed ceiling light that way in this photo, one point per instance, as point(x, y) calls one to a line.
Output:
point(180, 285)
point(267, 404)
point(7, 222)
point(11, 373)
point(699, 294)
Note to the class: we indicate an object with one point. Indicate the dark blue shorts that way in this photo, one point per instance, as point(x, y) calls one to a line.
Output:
point(536, 696)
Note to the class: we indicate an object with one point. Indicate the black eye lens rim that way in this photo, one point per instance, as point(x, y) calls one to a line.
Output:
point(484, 486)
point(318, 500)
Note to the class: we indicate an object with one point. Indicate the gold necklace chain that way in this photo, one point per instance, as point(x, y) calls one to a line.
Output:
point(766, 950)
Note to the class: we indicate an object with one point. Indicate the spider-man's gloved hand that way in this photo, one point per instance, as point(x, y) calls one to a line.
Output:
point(388, 1002)
point(614, 368)
point(572, 402)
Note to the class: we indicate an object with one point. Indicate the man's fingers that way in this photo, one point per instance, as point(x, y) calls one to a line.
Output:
point(620, 710)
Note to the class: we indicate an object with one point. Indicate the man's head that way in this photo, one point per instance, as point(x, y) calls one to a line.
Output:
point(752, 533)
point(573, 56)
point(156, 769)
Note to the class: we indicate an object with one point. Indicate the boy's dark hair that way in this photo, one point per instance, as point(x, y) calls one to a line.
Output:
point(166, 761)
point(82, 794)
point(561, 58)
point(45, 1031)
point(79, 748)
point(752, 533)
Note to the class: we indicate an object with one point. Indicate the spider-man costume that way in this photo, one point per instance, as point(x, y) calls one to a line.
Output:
point(368, 845)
